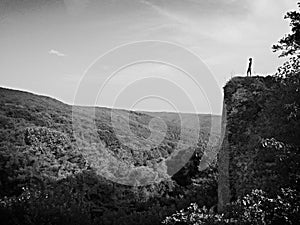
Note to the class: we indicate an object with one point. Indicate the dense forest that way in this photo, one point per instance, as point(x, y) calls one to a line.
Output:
point(50, 175)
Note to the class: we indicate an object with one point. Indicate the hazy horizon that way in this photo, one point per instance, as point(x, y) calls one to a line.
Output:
point(99, 106)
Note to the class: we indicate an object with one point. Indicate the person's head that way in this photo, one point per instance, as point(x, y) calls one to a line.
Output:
point(250, 59)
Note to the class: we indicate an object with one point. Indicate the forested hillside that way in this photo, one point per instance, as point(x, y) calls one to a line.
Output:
point(49, 175)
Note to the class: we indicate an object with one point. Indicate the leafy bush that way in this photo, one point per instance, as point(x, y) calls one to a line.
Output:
point(193, 215)
point(255, 208)
point(45, 207)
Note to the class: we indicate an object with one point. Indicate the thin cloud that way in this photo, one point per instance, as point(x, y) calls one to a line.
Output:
point(57, 53)
point(162, 11)
point(75, 7)
point(187, 27)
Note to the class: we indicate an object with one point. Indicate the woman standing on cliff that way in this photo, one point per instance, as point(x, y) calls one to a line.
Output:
point(249, 67)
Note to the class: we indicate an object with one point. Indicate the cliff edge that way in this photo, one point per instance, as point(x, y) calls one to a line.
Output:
point(259, 148)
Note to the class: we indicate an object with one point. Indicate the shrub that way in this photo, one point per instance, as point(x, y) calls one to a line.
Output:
point(254, 208)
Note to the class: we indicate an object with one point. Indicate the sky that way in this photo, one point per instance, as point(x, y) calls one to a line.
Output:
point(50, 47)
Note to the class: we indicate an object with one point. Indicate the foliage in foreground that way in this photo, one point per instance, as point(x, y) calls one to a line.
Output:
point(85, 199)
point(254, 208)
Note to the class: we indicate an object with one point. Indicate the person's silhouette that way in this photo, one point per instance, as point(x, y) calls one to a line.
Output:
point(249, 67)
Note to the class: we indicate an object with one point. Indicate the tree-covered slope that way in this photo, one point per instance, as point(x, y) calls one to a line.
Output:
point(41, 156)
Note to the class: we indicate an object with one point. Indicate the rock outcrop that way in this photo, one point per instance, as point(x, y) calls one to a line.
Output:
point(256, 152)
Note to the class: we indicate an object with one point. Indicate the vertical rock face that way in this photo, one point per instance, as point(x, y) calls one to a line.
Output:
point(241, 107)
point(250, 120)
point(223, 165)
